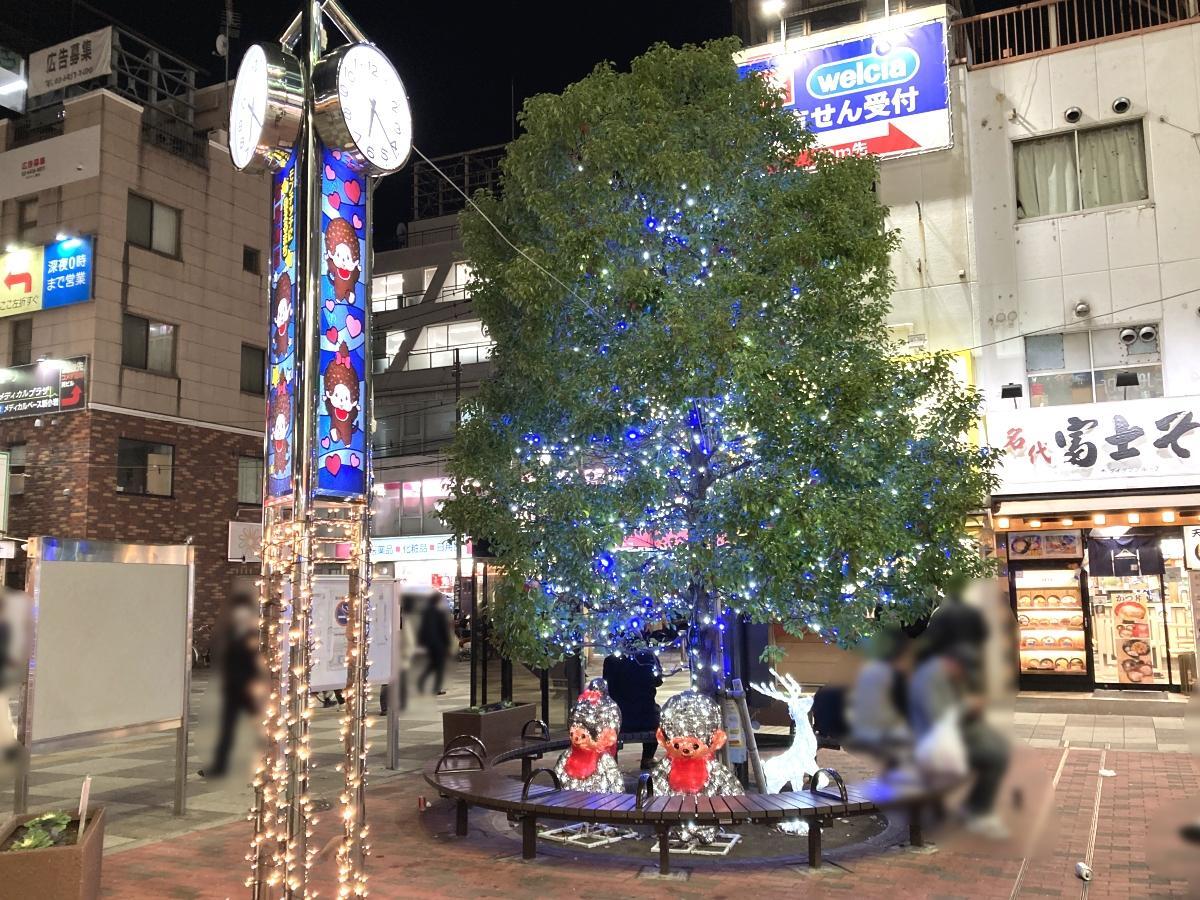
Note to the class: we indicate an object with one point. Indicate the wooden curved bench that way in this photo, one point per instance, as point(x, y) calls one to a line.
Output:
point(461, 775)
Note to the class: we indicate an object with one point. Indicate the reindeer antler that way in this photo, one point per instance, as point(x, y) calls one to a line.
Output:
point(792, 691)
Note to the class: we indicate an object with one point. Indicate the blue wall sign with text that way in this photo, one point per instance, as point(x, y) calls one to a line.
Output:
point(885, 93)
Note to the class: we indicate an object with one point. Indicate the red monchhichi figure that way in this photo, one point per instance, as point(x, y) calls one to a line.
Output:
point(282, 315)
point(588, 764)
point(691, 734)
point(341, 256)
point(341, 395)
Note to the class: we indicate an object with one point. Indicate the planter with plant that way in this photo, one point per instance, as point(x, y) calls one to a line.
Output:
point(45, 855)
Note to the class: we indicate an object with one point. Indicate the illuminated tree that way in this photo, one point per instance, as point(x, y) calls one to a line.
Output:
point(708, 371)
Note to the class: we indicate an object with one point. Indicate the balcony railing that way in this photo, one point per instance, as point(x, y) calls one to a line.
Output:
point(1047, 26)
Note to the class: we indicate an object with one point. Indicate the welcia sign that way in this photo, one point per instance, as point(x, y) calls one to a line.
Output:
point(885, 93)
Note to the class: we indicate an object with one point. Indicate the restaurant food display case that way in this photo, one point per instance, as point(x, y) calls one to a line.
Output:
point(1052, 627)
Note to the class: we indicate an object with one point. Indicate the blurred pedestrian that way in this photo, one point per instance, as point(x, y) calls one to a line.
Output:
point(633, 680)
point(402, 653)
point(10, 666)
point(879, 698)
point(434, 635)
point(940, 688)
point(240, 668)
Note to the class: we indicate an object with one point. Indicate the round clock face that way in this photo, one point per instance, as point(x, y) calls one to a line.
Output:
point(265, 110)
point(376, 123)
point(248, 108)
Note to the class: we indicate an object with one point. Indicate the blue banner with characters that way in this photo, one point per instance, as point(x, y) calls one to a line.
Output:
point(68, 272)
point(885, 93)
point(342, 387)
point(281, 345)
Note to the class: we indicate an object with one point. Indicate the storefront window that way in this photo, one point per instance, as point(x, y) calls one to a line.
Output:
point(1085, 366)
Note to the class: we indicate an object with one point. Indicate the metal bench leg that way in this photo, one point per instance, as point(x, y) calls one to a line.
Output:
point(526, 768)
point(664, 850)
point(814, 844)
point(460, 818)
point(915, 838)
point(528, 837)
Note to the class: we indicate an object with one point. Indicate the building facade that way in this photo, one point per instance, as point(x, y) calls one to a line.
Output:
point(1054, 243)
point(166, 445)
point(431, 352)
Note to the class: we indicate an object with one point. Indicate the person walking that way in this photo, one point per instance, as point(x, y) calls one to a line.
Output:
point(241, 676)
point(633, 680)
point(434, 636)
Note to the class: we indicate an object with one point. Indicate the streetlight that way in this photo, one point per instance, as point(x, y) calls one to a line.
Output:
point(775, 8)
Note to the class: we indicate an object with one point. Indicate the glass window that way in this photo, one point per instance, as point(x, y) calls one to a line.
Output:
point(21, 351)
point(1047, 181)
point(1083, 169)
point(250, 479)
point(144, 467)
point(148, 345)
point(1150, 384)
point(152, 225)
point(254, 369)
point(160, 348)
point(137, 221)
point(1112, 165)
point(16, 468)
point(250, 260)
point(1083, 366)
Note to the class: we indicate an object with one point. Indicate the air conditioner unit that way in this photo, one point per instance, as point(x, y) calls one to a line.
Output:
point(16, 484)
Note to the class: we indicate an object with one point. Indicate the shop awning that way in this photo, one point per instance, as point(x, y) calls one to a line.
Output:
point(1052, 505)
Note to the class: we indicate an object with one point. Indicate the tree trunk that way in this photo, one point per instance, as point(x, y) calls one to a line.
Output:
point(705, 651)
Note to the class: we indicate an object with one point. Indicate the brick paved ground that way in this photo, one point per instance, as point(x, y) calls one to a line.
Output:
point(1132, 815)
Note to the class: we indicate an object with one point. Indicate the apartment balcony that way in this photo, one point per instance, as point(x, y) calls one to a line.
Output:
point(1048, 26)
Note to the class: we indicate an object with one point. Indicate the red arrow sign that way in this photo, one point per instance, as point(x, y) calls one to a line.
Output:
point(19, 278)
point(892, 141)
point(71, 398)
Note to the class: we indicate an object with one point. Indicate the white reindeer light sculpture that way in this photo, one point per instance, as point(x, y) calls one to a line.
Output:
point(800, 759)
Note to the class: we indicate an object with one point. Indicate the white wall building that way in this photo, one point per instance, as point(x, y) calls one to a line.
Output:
point(1057, 243)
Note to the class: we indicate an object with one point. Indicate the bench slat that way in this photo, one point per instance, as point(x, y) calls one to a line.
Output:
point(765, 810)
point(721, 809)
point(653, 810)
point(737, 806)
point(623, 806)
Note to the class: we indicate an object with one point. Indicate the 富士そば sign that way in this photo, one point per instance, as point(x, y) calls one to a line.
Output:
point(885, 93)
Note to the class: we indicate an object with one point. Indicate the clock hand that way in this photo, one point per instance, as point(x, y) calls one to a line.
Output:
point(253, 115)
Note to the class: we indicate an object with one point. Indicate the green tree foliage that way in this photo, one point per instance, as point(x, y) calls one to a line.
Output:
point(708, 371)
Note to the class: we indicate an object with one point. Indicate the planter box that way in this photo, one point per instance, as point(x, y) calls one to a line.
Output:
point(62, 873)
point(499, 729)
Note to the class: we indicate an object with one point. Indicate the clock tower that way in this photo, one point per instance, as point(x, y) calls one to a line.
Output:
point(325, 122)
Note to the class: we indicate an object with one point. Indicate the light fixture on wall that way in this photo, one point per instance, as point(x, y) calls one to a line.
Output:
point(1122, 105)
point(1012, 391)
point(1134, 518)
point(1168, 516)
point(1002, 522)
point(1082, 309)
point(1073, 114)
point(1099, 519)
point(1068, 522)
point(1035, 523)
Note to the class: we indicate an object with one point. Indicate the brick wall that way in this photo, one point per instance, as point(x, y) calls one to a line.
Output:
point(77, 452)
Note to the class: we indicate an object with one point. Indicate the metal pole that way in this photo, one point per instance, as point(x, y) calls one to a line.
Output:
point(544, 684)
point(475, 642)
point(308, 352)
point(481, 604)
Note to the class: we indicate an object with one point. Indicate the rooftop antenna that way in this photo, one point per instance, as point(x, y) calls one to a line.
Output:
point(231, 27)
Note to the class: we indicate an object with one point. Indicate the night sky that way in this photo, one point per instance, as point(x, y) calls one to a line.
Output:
point(465, 64)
